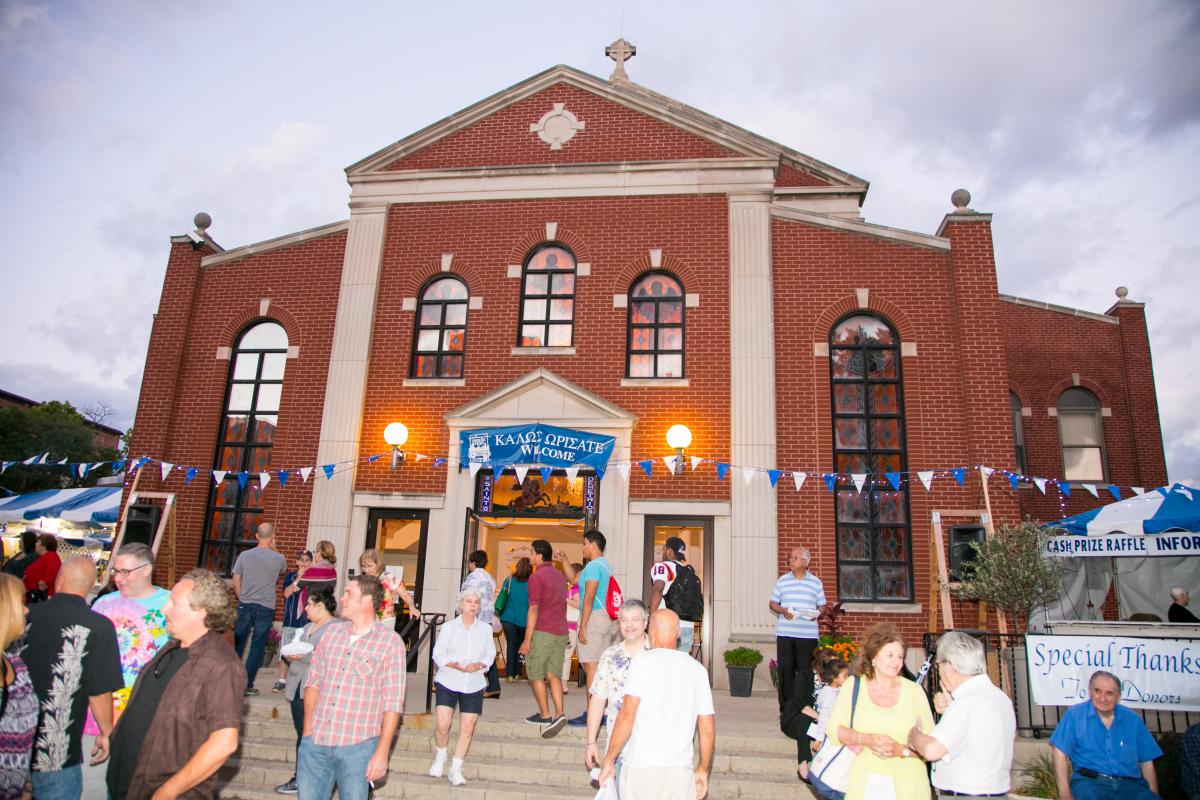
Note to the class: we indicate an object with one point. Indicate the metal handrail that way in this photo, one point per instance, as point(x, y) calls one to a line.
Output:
point(433, 620)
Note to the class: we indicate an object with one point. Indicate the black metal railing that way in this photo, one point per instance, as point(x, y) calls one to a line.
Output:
point(1007, 669)
point(432, 621)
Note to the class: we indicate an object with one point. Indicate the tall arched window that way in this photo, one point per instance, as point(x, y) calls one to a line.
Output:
point(440, 335)
point(1018, 430)
point(548, 298)
point(244, 444)
point(874, 545)
point(1081, 434)
point(655, 344)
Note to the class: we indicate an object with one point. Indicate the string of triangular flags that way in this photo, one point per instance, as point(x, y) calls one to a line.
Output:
point(798, 478)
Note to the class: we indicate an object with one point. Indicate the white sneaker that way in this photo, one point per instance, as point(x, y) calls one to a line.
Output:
point(438, 767)
point(456, 777)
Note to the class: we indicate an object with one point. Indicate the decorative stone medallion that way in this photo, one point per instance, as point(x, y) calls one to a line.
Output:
point(557, 126)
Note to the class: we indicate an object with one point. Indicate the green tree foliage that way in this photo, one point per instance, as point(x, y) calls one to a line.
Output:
point(52, 427)
point(1011, 573)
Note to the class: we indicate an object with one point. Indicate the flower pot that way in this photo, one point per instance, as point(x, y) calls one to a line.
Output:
point(741, 681)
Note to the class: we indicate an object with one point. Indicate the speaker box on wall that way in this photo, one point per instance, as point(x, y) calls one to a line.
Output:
point(141, 523)
point(961, 552)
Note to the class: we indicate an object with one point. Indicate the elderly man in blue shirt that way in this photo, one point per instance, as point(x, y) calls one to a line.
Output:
point(1103, 750)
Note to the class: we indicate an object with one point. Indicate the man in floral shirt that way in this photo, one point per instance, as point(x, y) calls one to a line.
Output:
point(136, 612)
point(608, 685)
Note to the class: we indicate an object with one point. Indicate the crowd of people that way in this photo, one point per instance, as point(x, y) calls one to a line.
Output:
point(141, 694)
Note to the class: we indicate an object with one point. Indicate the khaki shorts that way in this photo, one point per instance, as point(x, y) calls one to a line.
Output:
point(657, 783)
point(601, 632)
point(545, 655)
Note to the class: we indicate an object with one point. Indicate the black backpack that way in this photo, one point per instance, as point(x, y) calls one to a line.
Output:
point(684, 597)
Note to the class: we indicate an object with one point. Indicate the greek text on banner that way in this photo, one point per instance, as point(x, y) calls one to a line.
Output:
point(536, 444)
point(1155, 673)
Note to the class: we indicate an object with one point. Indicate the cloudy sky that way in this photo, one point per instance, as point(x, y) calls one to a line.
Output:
point(1076, 123)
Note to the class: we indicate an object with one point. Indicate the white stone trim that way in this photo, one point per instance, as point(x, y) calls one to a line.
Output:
point(558, 134)
point(656, 258)
point(600, 411)
point(679, 508)
point(224, 353)
point(551, 231)
point(1026, 411)
point(293, 351)
point(514, 271)
point(820, 349)
point(865, 228)
point(1105, 411)
point(908, 349)
point(713, 176)
point(691, 300)
point(447, 261)
point(263, 305)
point(863, 296)
point(1075, 312)
point(1051, 412)
point(543, 351)
point(881, 608)
point(475, 302)
point(620, 301)
point(424, 383)
point(398, 500)
point(1074, 378)
point(583, 269)
point(275, 244)
point(655, 383)
point(408, 304)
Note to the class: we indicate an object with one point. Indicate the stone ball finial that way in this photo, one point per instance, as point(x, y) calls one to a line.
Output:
point(202, 220)
point(1122, 293)
point(960, 198)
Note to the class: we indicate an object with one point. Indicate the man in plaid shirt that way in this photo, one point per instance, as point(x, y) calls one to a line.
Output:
point(353, 698)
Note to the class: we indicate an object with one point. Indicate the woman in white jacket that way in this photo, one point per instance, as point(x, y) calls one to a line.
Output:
point(464, 651)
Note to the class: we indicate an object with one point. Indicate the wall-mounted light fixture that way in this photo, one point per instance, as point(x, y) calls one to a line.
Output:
point(396, 434)
point(678, 438)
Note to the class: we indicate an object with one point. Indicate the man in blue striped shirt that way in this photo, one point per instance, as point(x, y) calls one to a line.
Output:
point(797, 597)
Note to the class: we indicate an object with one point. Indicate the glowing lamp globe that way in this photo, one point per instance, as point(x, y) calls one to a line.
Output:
point(395, 434)
point(679, 436)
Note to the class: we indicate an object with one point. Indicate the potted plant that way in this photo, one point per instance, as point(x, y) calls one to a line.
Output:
point(741, 662)
point(832, 637)
point(272, 646)
point(773, 668)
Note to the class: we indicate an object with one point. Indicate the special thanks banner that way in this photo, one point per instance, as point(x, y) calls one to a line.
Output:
point(1154, 673)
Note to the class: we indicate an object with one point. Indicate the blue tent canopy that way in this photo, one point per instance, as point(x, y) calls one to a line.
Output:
point(1171, 508)
point(97, 505)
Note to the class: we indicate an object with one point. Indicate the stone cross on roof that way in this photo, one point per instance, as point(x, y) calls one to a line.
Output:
point(620, 51)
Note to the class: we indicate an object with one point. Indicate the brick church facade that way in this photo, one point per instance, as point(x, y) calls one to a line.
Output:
point(592, 255)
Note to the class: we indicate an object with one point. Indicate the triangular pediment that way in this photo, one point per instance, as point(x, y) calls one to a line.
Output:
point(541, 396)
point(468, 136)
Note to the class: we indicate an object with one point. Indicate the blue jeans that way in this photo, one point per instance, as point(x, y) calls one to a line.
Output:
point(255, 621)
point(319, 767)
point(1107, 789)
point(63, 784)
point(686, 636)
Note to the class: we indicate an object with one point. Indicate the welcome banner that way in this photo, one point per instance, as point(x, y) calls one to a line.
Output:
point(546, 445)
point(1155, 673)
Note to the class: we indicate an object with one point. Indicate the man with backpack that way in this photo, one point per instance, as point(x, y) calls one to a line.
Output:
point(675, 585)
point(597, 618)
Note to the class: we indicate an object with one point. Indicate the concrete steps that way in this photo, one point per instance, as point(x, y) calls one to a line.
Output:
point(508, 760)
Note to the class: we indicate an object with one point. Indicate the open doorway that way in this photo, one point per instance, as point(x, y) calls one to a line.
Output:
point(402, 534)
point(697, 536)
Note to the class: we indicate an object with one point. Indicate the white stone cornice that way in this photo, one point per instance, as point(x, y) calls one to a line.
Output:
point(970, 216)
point(275, 244)
point(739, 176)
point(1075, 312)
point(865, 228)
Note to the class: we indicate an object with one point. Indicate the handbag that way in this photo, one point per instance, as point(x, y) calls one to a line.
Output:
point(831, 765)
point(502, 598)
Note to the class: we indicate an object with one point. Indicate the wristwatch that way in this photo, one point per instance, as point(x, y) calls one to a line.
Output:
point(904, 753)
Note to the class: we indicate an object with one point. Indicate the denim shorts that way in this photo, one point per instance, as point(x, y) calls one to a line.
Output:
point(467, 702)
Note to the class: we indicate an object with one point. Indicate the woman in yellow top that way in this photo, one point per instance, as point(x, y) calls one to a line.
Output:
point(888, 707)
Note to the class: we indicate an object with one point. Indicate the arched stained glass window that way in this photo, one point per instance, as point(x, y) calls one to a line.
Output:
point(244, 444)
point(440, 335)
point(1081, 434)
point(548, 298)
point(874, 545)
point(656, 310)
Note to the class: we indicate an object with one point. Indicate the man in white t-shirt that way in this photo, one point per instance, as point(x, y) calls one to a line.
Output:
point(662, 577)
point(971, 747)
point(667, 698)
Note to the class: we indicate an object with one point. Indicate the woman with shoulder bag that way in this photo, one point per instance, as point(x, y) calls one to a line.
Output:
point(513, 606)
